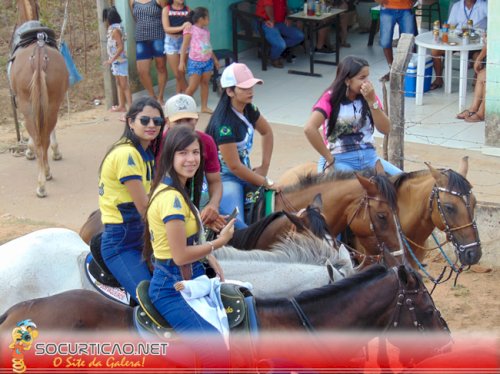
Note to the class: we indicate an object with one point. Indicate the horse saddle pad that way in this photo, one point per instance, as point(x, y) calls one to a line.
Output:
point(28, 32)
point(238, 302)
point(259, 203)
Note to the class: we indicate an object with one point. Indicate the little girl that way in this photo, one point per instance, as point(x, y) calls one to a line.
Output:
point(175, 21)
point(201, 59)
point(117, 58)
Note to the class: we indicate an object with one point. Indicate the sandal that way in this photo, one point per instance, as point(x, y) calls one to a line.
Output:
point(435, 85)
point(116, 108)
point(123, 118)
point(464, 114)
point(474, 118)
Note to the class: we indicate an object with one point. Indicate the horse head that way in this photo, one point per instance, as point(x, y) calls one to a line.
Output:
point(452, 205)
point(415, 311)
point(374, 219)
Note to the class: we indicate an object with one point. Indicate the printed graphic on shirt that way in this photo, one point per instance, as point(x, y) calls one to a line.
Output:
point(130, 161)
point(225, 131)
point(177, 203)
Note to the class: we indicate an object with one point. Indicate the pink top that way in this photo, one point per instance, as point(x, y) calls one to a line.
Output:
point(349, 133)
point(200, 48)
point(210, 153)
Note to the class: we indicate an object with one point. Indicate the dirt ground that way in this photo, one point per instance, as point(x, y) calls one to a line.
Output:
point(471, 306)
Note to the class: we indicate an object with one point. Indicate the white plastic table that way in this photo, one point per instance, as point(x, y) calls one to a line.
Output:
point(426, 41)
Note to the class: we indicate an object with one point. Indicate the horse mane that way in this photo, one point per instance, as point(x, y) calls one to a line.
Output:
point(456, 182)
point(309, 180)
point(297, 249)
point(248, 237)
point(386, 189)
point(345, 285)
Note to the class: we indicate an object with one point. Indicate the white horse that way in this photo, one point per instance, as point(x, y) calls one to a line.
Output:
point(50, 261)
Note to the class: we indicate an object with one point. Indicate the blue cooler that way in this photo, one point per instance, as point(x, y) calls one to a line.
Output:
point(411, 76)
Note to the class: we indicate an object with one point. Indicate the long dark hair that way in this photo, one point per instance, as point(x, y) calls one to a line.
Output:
point(348, 68)
point(177, 139)
point(111, 16)
point(220, 113)
point(129, 136)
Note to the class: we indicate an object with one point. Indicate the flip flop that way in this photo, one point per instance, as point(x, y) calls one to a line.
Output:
point(464, 114)
point(122, 118)
point(474, 118)
point(435, 86)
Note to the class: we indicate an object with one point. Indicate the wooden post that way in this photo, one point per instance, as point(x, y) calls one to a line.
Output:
point(397, 100)
point(110, 93)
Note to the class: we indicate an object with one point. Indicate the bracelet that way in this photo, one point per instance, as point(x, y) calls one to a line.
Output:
point(212, 247)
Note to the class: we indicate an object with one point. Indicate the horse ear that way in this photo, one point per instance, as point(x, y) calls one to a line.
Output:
point(403, 274)
point(407, 277)
point(379, 168)
point(317, 202)
point(368, 185)
point(438, 176)
point(463, 167)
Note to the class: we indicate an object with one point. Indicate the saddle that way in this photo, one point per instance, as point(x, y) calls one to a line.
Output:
point(97, 266)
point(259, 203)
point(27, 34)
point(238, 302)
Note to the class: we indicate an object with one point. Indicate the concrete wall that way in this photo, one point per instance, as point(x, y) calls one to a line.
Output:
point(492, 130)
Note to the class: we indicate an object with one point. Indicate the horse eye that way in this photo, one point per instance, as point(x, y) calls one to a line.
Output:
point(381, 216)
point(449, 208)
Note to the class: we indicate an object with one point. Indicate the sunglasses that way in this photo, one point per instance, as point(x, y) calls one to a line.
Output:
point(158, 121)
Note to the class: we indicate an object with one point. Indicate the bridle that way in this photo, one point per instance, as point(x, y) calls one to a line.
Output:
point(406, 301)
point(365, 202)
point(449, 231)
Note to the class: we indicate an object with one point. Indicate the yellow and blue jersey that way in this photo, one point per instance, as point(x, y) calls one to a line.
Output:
point(168, 204)
point(125, 162)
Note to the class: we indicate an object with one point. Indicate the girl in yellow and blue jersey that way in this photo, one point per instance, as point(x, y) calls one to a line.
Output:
point(125, 179)
point(173, 236)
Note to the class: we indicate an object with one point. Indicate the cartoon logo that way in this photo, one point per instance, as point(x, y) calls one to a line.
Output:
point(22, 339)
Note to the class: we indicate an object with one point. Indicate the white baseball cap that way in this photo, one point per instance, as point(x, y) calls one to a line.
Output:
point(238, 75)
point(180, 106)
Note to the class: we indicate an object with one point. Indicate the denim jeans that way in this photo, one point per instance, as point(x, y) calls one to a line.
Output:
point(185, 321)
point(358, 160)
point(280, 37)
point(121, 249)
point(233, 195)
point(388, 19)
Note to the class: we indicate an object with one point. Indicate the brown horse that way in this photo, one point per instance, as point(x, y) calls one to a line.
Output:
point(39, 80)
point(428, 199)
point(377, 298)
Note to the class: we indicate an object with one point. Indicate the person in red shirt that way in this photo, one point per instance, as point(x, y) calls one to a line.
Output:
point(277, 29)
point(180, 110)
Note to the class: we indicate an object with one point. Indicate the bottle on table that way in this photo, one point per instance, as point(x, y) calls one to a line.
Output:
point(317, 8)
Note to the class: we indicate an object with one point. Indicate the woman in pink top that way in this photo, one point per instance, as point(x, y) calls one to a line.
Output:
point(201, 58)
point(348, 113)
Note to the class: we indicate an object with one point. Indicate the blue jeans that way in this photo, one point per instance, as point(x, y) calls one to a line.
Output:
point(358, 160)
point(280, 37)
point(121, 249)
point(233, 195)
point(388, 19)
point(185, 321)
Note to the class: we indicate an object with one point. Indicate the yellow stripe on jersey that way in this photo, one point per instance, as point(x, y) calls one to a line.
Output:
point(168, 205)
point(125, 162)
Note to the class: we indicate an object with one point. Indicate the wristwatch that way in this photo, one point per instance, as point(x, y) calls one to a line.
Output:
point(375, 105)
point(268, 182)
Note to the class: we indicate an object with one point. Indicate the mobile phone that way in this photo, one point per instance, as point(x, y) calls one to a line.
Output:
point(233, 214)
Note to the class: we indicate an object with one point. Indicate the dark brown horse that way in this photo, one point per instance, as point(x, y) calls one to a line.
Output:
point(377, 298)
point(39, 80)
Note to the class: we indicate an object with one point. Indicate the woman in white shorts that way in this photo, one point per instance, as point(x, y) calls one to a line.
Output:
point(175, 21)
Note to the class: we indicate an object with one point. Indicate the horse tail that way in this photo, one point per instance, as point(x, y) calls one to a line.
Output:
point(39, 95)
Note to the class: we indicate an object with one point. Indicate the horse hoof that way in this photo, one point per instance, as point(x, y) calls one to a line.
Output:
point(29, 155)
point(57, 156)
point(40, 192)
point(48, 177)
